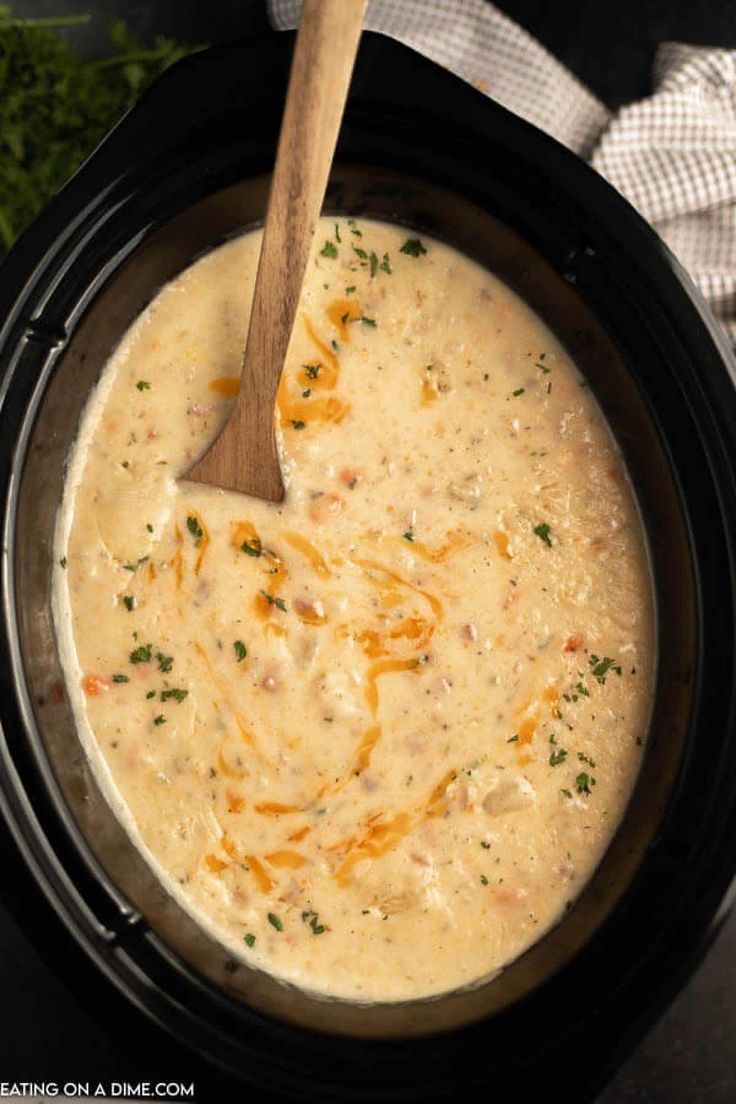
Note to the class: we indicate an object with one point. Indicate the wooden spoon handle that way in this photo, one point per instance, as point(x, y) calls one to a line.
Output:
point(245, 456)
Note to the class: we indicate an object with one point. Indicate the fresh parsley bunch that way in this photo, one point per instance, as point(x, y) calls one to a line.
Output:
point(55, 106)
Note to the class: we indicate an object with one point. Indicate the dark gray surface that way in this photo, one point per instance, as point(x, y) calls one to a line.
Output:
point(690, 1056)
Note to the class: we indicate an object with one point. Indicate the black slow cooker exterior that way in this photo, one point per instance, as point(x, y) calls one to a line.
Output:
point(182, 171)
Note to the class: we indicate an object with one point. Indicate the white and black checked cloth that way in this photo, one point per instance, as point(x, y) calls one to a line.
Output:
point(672, 155)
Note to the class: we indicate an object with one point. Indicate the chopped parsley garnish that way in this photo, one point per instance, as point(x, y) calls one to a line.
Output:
point(542, 367)
point(344, 318)
point(240, 650)
point(338, 239)
point(413, 247)
point(600, 668)
point(543, 531)
point(483, 880)
point(165, 663)
point(307, 393)
point(513, 739)
point(559, 755)
point(249, 939)
point(252, 547)
point(275, 921)
point(312, 918)
point(298, 423)
point(150, 694)
point(278, 602)
point(177, 695)
point(368, 321)
point(63, 562)
point(312, 370)
point(584, 782)
point(408, 535)
point(141, 654)
point(329, 249)
point(350, 290)
point(129, 602)
point(136, 565)
point(195, 529)
point(354, 228)
point(360, 253)
point(385, 264)
point(143, 385)
point(159, 720)
point(518, 391)
point(149, 527)
point(374, 264)
point(566, 793)
point(485, 846)
point(120, 678)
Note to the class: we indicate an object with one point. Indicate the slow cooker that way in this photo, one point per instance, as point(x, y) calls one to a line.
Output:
point(185, 169)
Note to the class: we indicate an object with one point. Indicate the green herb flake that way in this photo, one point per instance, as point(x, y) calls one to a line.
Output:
point(584, 782)
point(141, 654)
point(338, 239)
point(600, 668)
point(63, 562)
point(558, 756)
point(312, 918)
point(307, 393)
point(385, 265)
point(177, 695)
point(159, 720)
point(275, 921)
point(143, 385)
point(165, 663)
point(374, 264)
point(249, 939)
point(350, 290)
point(297, 423)
point(134, 566)
point(129, 602)
point(543, 532)
point(413, 247)
point(312, 370)
point(368, 321)
point(278, 602)
point(150, 694)
point(483, 880)
point(354, 228)
point(408, 535)
point(360, 253)
point(329, 249)
point(518, 391)
point(566, 793)
point(240, 650)
point(252, 548)
point(542, 367)
point(120, 678)
point(149, 527)
point(513, 739)
point(195, 529)
point(485, 846)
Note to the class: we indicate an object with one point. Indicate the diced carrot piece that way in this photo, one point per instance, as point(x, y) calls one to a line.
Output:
point(94, 685)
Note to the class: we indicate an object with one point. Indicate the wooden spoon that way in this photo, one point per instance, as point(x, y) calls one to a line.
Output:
point(244, 457)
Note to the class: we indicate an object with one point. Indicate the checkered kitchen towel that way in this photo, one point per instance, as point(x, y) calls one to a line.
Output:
point(673, 154)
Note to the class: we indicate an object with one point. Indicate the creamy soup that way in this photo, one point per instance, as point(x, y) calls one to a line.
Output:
point(376, 738)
